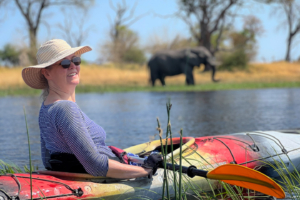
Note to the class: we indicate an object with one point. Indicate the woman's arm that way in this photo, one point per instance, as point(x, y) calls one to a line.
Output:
point(125, 171)
point(71, 125)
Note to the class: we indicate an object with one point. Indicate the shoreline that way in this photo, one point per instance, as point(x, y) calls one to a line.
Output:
point(26, 91)
point(129, 78)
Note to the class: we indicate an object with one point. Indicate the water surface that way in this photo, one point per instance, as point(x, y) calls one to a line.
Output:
point(130, 118)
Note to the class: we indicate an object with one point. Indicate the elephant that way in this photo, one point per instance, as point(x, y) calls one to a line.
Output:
point(174, 62)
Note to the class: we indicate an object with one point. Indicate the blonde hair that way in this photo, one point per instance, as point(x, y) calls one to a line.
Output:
point(45, 91)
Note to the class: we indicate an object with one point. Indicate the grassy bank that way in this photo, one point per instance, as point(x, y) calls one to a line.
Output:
point(133, 78)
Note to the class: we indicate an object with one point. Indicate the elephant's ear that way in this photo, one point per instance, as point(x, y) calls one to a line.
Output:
point(202, 52)
point(192, 58)
point(190, 54)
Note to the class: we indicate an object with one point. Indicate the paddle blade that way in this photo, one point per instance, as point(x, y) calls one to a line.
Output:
point(247, 178)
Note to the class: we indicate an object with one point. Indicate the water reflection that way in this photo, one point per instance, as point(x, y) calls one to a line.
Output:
point(130, 118)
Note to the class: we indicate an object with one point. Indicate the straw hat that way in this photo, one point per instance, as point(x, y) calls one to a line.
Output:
point(49, 53)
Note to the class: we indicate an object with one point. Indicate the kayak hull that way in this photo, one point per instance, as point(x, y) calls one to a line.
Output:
point(263, 151)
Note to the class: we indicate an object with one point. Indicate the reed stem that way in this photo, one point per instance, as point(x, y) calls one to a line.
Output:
point(180, 166)
point(169, 106)
point(30, 166)
point(163, 153)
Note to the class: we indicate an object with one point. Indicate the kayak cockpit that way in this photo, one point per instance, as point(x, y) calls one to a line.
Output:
point(142, 150)
point(147, 148)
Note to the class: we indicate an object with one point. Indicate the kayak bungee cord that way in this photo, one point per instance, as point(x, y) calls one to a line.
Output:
point(19, 187)
point(77, 192)
point(252, 146)
point(265, 135)
point(232, 162)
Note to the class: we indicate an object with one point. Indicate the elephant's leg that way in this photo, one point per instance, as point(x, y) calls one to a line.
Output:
point(162, 79)
point(153, 77)
point(189, 75)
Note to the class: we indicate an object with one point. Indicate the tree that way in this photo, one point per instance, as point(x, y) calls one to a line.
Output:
point(125, 49)
point(123, 41)
point(159, 42)
point(32, 11)
point(210, 19)
point(291, 10)
point(3, 4)
point(77, 37)
point(121, 20)
point(242, 44)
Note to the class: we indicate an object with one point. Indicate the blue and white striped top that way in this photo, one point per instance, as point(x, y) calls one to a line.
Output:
point(66, 129)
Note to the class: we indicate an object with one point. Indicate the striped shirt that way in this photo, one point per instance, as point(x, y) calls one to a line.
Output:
point(66, 129)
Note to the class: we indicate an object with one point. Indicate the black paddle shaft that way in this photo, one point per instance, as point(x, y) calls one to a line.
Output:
point(191, 171)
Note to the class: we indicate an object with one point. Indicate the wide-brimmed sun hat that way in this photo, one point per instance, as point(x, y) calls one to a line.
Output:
point(49, 53)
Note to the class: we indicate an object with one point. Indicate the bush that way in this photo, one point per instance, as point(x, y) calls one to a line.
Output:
point(134, 55)
point(10, 55)
point(235, 60)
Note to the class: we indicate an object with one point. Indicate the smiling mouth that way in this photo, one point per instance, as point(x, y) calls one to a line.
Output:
point(73, 74)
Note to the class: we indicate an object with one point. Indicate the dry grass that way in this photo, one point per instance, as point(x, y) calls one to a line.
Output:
point(11, 78)
point(139, 76)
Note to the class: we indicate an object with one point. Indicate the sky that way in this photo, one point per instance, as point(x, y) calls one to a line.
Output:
point(271, 44)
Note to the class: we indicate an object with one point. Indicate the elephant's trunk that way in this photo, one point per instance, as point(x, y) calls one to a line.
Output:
point(213, 68)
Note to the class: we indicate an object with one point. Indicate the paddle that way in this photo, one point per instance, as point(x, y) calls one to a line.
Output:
point(236, 175)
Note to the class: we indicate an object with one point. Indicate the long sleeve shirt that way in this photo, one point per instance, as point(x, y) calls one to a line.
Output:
point(66, 129)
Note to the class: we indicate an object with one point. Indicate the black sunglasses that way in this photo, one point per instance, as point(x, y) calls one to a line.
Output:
point(66, 62)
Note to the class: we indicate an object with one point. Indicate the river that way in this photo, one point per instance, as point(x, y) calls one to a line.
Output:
point(130, 118)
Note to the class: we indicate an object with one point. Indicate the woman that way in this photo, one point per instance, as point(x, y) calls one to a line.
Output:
point(65, 130)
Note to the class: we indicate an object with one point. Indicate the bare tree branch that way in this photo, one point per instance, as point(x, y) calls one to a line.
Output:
point(209, 15)
point(122, 38)
point(291, 10)
point(78, 36)
point(32, 11)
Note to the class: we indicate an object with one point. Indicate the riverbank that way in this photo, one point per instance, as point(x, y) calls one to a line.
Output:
point(107, 78)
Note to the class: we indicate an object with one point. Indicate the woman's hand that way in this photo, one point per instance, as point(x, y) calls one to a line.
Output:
point(153, 162)
point(125, 171)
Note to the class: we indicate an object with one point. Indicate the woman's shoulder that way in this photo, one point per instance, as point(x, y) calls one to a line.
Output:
point(62, 105)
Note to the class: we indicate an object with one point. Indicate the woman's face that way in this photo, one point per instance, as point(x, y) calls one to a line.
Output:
point(61, 77)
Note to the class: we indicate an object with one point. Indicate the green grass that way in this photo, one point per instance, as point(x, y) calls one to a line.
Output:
point(26, 91)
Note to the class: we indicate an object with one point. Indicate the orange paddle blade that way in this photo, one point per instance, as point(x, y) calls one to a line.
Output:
point(247, 178)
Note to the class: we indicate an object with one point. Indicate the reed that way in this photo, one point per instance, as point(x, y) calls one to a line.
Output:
point(30, 165)
point(289, 177)
point(163, 154)
point(9, 168)
point(180, 166)
point(177, 186)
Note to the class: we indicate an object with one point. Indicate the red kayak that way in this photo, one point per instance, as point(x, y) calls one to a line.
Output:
point(257, 150)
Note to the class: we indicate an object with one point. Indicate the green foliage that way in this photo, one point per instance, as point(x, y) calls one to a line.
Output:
point(123, 47)
point(10, 55)
point(8, 168)
point(134, 55)
point(237, 59)
point(242, 44)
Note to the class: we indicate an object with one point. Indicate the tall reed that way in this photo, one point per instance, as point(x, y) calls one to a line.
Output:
point(163, 154)
point(177, 184)
point(30, 165)
point(169, 106)
point(180, 166)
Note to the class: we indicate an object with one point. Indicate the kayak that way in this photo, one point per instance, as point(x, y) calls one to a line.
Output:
point(260, 150)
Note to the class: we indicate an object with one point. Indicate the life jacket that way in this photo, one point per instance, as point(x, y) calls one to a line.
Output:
point(66, 162)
